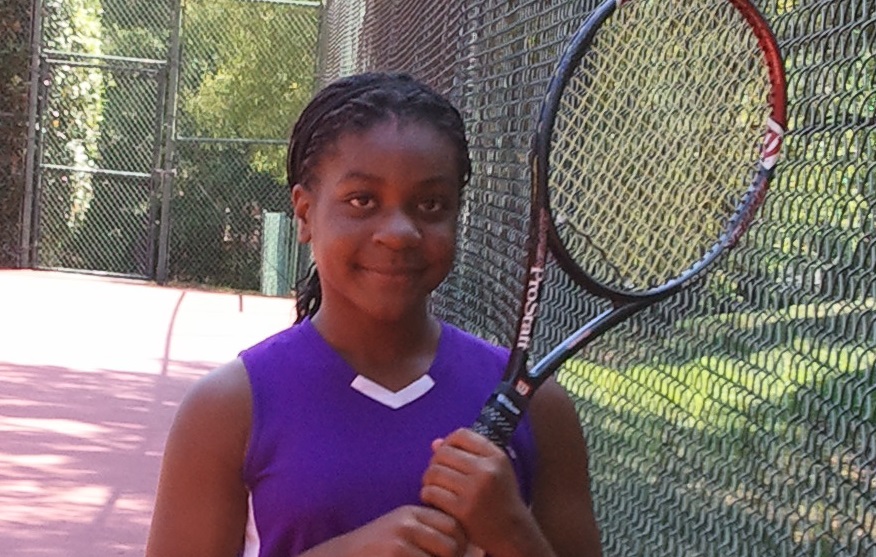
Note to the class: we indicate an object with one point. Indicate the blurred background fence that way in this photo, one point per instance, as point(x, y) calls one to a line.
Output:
point(158, 133)
point(738, 418)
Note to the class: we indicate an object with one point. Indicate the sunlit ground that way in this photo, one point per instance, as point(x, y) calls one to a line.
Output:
point(91, 372)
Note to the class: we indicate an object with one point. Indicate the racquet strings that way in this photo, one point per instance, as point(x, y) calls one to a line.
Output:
point(656, 140)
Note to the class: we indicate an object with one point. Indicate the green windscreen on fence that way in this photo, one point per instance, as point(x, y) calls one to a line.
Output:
point(278, 255)
point(738, 418)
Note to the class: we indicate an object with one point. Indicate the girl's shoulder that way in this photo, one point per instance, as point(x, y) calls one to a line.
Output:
point(213, 419)
point(221, 399)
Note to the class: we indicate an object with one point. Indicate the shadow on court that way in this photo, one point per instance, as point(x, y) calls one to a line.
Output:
point(91, 372)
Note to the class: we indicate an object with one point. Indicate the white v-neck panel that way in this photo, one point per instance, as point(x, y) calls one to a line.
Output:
point(393, 399)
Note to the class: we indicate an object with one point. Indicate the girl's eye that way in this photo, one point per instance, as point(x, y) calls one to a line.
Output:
point(362, 201)
point(432, 205)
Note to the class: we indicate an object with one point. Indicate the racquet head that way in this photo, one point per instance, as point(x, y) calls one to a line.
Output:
point(654, 149)
point(658, 138)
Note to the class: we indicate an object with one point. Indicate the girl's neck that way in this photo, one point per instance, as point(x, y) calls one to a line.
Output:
point(392, 353)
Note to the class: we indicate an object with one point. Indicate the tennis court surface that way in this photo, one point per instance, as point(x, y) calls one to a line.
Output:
point(91, 372)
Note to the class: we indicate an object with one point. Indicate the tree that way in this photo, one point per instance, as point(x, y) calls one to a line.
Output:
point(249, 69)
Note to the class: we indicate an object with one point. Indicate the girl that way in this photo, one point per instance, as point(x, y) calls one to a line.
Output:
point(347, 433)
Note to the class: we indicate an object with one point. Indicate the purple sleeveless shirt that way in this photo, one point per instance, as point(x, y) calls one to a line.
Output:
point(328, 453)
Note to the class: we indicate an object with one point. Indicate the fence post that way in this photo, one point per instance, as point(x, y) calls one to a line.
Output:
point(168, 173)
point(30, 156)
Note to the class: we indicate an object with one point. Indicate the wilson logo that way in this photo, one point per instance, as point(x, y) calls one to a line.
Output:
point(522, 388)
point(772, 143)
point(530, 307)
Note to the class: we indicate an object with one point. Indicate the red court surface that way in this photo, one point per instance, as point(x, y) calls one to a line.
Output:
point(92, 370)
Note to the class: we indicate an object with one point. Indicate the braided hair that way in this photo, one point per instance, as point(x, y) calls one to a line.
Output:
point(356, 104)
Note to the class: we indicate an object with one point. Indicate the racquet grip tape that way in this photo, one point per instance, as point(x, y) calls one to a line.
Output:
point(501, 414)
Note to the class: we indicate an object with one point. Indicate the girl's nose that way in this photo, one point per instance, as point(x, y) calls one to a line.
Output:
point(398, 231)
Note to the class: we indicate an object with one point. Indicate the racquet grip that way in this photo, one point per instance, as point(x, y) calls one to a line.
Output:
point(500, 415)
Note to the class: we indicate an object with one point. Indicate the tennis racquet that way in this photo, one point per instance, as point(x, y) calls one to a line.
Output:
point(654, 148)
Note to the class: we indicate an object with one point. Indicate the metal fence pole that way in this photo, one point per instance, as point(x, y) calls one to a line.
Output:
point(30, 157)
point(156, 182)
point(167, 174)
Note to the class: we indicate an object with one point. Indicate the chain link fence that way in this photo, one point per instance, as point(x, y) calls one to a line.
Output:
point(159, 134)
point(247, 70)
point(98, 128)
point(738, 418)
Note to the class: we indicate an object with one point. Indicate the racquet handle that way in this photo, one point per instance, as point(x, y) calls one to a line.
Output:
point(501, 414)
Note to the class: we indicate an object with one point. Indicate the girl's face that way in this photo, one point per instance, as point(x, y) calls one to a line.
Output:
point(381, 219)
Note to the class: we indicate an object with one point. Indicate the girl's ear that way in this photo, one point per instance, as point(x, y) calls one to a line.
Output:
point(301, 203)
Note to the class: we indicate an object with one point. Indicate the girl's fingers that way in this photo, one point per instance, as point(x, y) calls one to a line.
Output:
point(443, 534)
point(439, 498)
point(472, 442)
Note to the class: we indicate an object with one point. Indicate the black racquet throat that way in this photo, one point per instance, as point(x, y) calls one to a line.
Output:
point(654, 148)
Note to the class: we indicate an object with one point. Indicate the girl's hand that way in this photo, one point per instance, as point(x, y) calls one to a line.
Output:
point(472, 480)
point(408, 531)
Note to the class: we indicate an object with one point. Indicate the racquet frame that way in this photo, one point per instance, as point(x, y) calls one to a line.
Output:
point(505, 407)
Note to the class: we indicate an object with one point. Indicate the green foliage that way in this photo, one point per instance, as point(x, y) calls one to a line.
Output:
point(238, 87)
point(247, 69)
point(73, 110)
point(72, 26)
point(137, 29)
point(217, 206)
